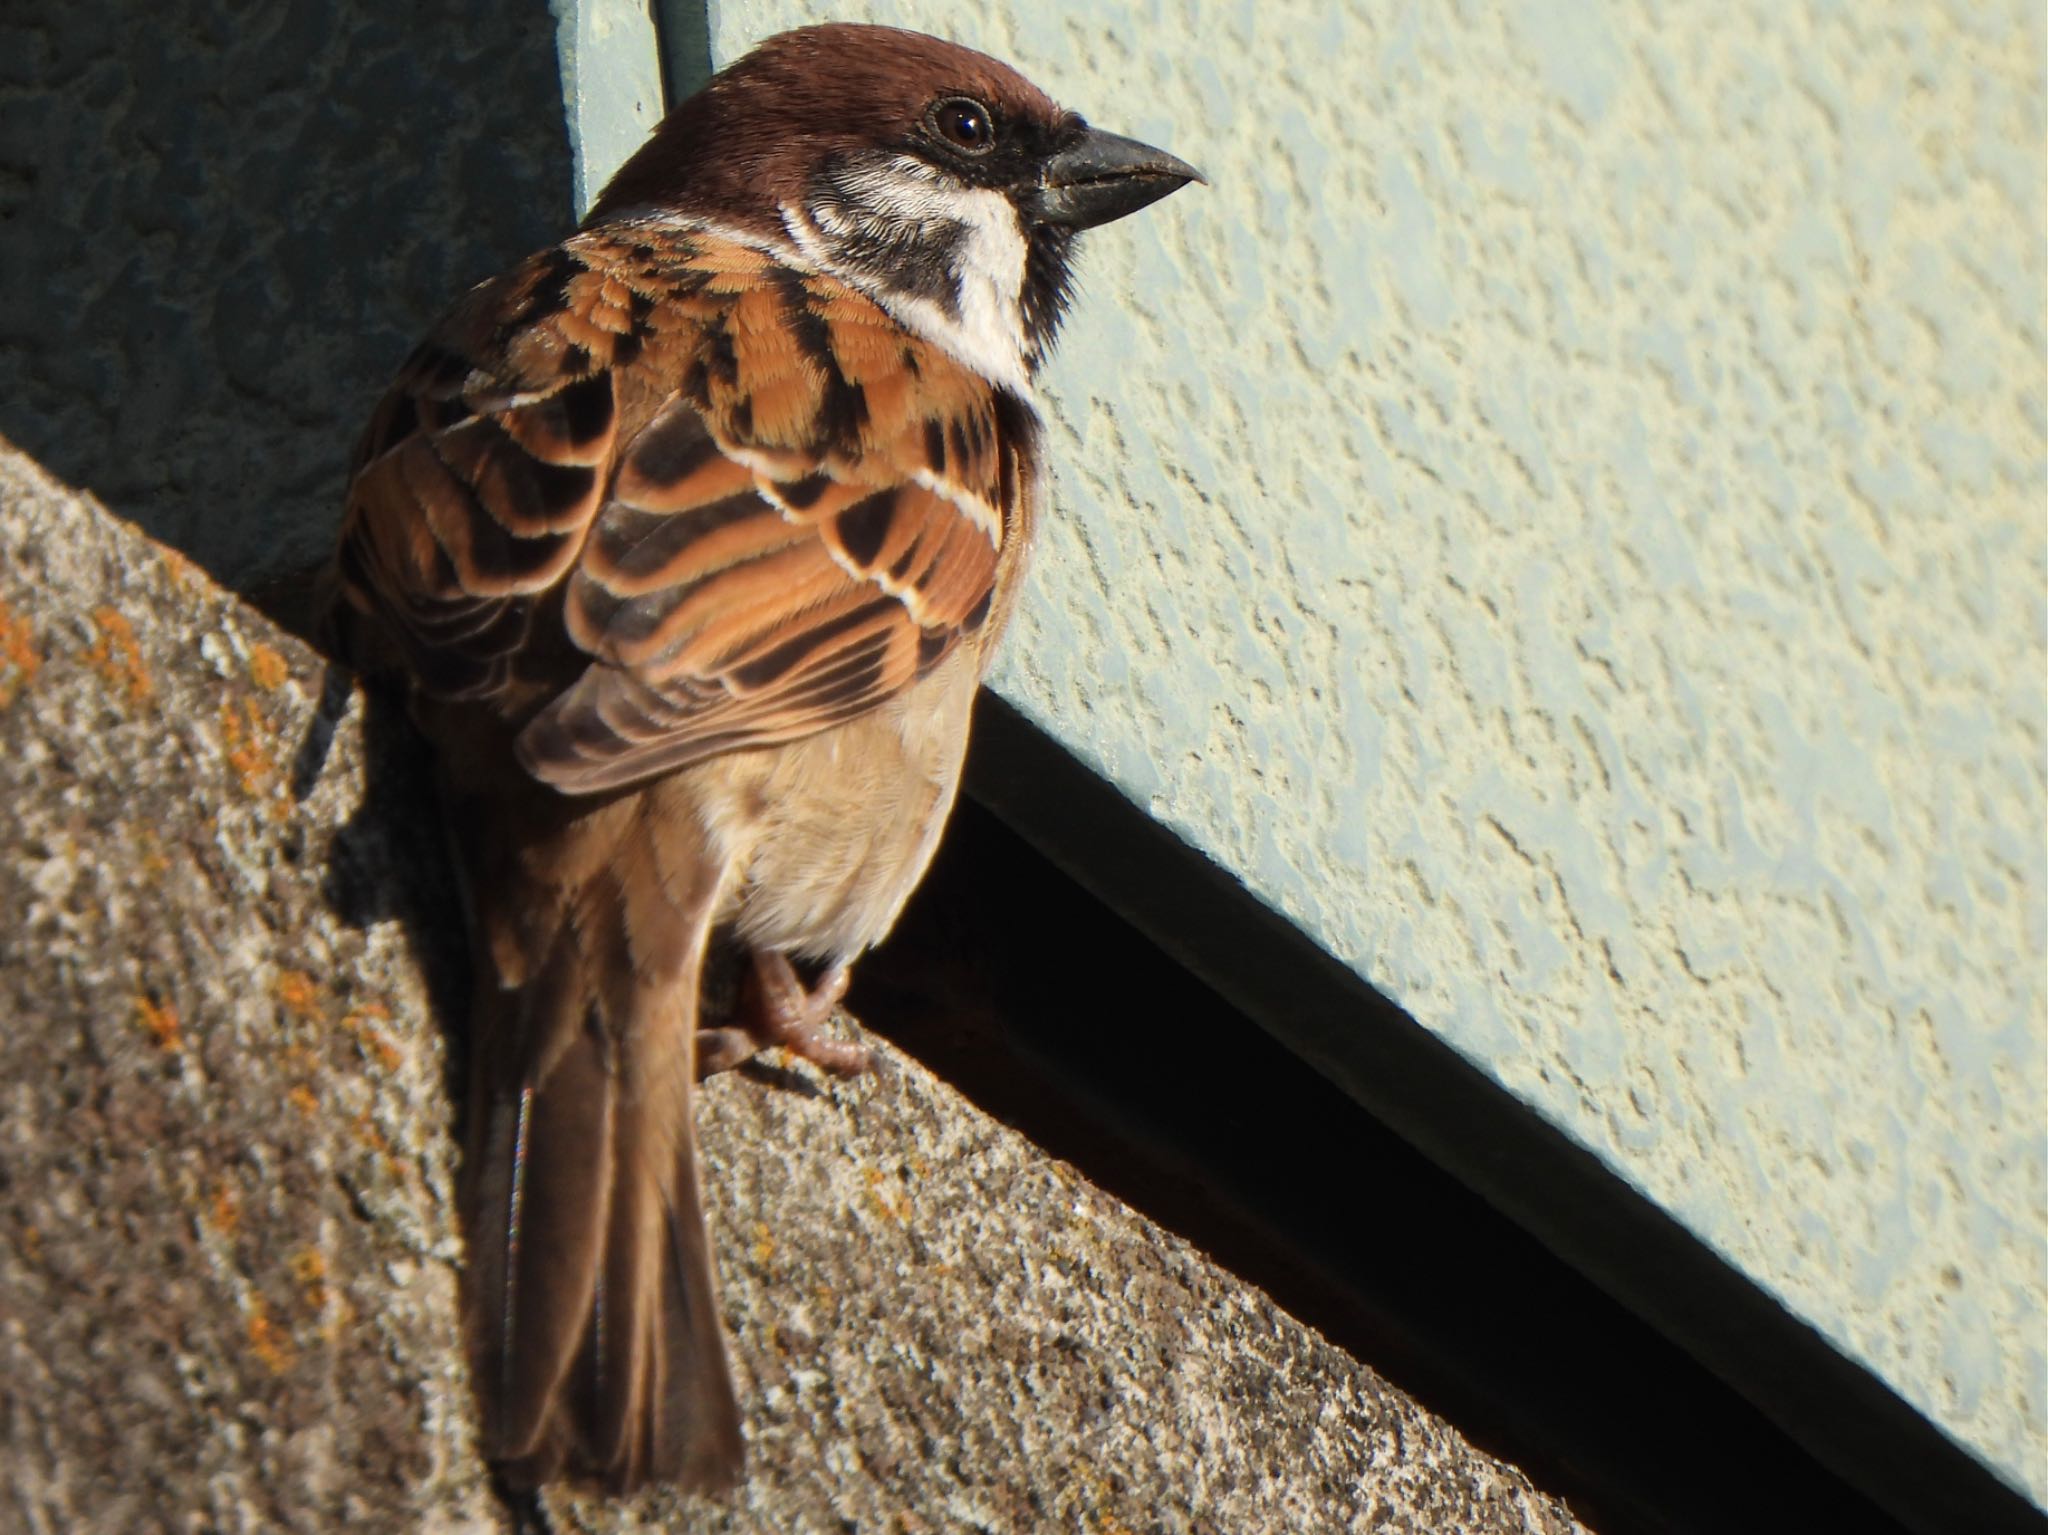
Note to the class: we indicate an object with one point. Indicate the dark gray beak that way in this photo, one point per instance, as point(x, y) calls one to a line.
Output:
point(1104, 177)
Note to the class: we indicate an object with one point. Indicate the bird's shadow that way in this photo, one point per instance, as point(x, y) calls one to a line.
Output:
point(389, 862)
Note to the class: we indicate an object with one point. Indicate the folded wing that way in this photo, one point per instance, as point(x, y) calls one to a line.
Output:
point(656, 499)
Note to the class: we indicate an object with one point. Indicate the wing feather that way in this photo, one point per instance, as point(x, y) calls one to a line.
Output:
point(655, 496)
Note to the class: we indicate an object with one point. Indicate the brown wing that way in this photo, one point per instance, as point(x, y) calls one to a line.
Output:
point(658, 497)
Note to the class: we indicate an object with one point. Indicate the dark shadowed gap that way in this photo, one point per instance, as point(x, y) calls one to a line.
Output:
point(1137, 1031)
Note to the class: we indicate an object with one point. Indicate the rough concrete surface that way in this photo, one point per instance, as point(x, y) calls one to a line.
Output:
point(1560, 516)
point(228, 1277)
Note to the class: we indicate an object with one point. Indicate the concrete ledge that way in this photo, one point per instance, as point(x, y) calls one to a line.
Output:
point(228, 1281)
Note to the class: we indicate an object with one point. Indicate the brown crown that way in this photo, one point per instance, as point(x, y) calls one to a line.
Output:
point(743, 145)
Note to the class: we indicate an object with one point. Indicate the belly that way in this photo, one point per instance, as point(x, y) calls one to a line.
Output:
point(829, 835)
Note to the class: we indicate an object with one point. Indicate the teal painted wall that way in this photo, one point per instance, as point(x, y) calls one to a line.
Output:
point(1562, 517)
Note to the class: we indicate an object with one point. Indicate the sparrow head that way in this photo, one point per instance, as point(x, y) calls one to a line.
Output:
point(936, 179)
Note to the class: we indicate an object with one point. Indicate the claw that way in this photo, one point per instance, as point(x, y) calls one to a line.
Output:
point(780, 1012)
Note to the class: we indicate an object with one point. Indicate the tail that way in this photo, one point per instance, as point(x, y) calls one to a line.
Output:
point(591, 1311)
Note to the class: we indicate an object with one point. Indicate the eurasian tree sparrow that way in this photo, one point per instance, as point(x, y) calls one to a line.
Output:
point(691, 539)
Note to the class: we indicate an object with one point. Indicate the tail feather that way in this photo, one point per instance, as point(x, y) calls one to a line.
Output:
point(655, 1362)
point(592, 1312)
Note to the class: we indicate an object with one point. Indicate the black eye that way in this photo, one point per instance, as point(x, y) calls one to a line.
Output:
point(964, 124)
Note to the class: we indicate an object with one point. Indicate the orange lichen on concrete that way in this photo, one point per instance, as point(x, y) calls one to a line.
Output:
point(160, 1019)
point(19, 657)
point(299, 993)
point(116, 656)
point(1103, 1490)
point(764, 1242)
point(309, 1268)
point(224, 1210)
point(367, 1132)
point(242, 741)
point(267, 667)
point(362, 1023)
point(896, 1209)
point(154, 862)
point(303, 1099)
point(380, 1147)
point(267, 1339)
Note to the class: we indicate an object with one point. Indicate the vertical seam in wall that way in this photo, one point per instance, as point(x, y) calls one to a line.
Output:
point(565, 14)
point(614, 81)
point(683, 30)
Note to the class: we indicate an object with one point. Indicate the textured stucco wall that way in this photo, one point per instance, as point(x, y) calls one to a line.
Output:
point(1562, 517)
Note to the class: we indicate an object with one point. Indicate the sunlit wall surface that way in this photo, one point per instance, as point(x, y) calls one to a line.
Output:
point(1562, 517)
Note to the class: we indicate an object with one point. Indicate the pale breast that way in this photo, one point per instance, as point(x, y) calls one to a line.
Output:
point(830, 834)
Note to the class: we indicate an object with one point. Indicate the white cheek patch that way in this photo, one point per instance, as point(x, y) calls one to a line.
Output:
point(903, 203)
point(991, 273)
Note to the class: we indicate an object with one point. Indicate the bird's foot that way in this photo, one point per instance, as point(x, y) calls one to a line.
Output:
point(779, 1011)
